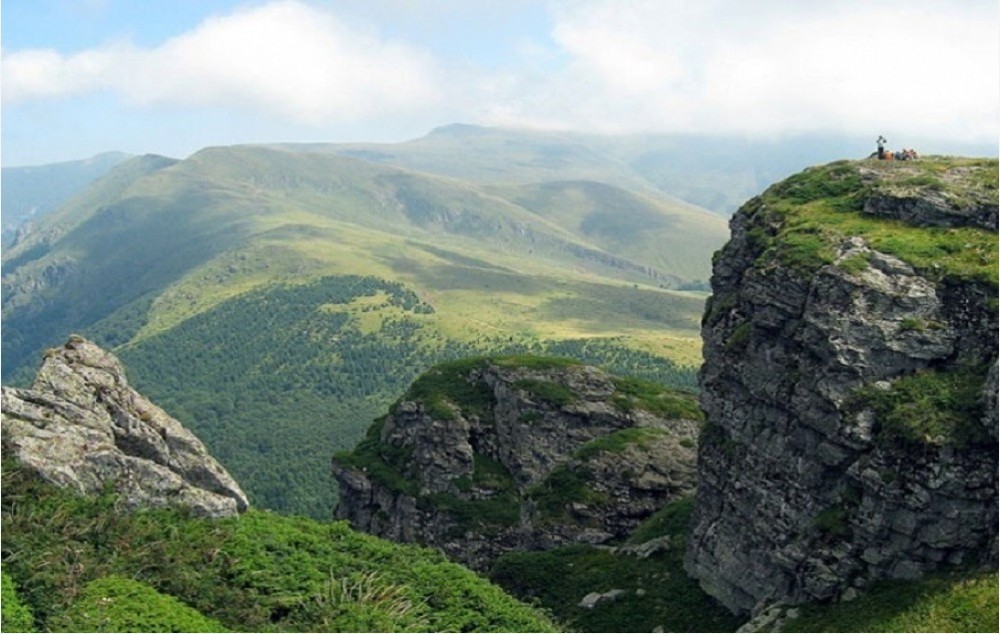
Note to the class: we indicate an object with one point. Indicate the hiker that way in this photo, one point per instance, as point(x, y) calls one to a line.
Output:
point(880, 142)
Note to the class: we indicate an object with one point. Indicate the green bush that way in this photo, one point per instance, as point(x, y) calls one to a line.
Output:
point(16, 617)
point(117, 604)
point(256, 572)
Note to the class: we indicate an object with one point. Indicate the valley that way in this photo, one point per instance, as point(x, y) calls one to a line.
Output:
point(303, 290)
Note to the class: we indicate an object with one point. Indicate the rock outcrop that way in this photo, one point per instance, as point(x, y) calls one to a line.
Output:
point(81, 426)
point(850, 384)
point(486, 456)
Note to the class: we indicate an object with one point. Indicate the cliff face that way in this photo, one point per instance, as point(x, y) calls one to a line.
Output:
point(482, 457)
point(81, 426)
point(850, 384)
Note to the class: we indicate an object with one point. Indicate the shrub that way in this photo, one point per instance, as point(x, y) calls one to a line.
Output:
point(117, 604)
point(16, 617)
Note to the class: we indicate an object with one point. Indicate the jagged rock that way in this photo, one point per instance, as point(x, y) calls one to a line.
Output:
point(81, 426)
point(806, 489)
point(518, 469)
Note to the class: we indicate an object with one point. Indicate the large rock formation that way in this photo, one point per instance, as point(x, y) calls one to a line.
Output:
point(81, 426)
point(850, 384)
point(486, 456)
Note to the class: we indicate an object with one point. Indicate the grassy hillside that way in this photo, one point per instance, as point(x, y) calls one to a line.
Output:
point(251, 290)
point(78, 564)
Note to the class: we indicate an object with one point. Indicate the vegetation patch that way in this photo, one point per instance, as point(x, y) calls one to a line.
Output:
point(16, 617)
point(552, 393)
point(447, 386)
point(565, 485)
point(381, 462)
point(257, 572)
point(930, 408)
point(117, 604)
point(633, 393)
point(955, 602)
point(619, 441)
point(658, 593)
point(819, 208)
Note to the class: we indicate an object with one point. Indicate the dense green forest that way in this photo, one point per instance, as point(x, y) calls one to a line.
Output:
point(276, 380)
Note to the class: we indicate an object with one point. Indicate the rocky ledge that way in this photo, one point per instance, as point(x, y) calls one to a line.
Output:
point(81, 426)
point(850, 384)
point(490, 455)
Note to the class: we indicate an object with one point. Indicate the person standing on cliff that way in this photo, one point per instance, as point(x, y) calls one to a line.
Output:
point(880, 142)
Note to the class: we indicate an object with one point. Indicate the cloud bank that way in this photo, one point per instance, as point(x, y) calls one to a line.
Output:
point(285, 58)
point(764, 67)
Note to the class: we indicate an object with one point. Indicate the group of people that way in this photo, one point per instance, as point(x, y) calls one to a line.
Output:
point(898, 155)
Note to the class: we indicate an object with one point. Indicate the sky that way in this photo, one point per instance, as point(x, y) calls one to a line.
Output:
point(80, 77)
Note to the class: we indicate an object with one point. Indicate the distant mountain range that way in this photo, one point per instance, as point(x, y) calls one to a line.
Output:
point(276, 298)
point(30, 192)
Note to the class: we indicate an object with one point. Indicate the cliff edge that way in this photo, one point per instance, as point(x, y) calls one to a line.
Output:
point(850, 384)
point(485, 456)
point(81, 426)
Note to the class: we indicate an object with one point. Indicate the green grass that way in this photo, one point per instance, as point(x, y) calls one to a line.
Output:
point(820, 207)
point(256, 572)
point(447, 388)
point(930, 408)
point(117, 604)
point(634, 393)
point(552, 393)
point(16, 617)
point(618, 441)
point(657, 590)
point(942, 603)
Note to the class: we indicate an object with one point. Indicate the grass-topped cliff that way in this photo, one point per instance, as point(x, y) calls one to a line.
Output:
point(849, 385)
point(934, 213)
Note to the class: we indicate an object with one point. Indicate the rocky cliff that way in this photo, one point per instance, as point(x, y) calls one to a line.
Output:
point(81, 426)
point(490, 455)
point(850, 384)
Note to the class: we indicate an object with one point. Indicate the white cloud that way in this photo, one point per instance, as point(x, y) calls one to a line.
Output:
point(285, 58)
point(919, 67)
point(927, 67)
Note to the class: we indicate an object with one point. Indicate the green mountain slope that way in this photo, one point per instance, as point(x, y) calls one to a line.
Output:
point(253, 289)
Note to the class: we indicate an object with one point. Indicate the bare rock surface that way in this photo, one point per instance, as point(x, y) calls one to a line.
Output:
point(81, 426)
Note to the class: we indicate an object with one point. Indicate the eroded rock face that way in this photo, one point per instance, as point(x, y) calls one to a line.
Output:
point(548, 457)
point(810, 484)
point(81, 426)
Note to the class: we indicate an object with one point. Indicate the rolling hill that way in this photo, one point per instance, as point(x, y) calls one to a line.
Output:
point(276, 300)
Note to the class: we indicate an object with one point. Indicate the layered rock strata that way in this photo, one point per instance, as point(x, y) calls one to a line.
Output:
point(850, 386)
point(82, 426)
